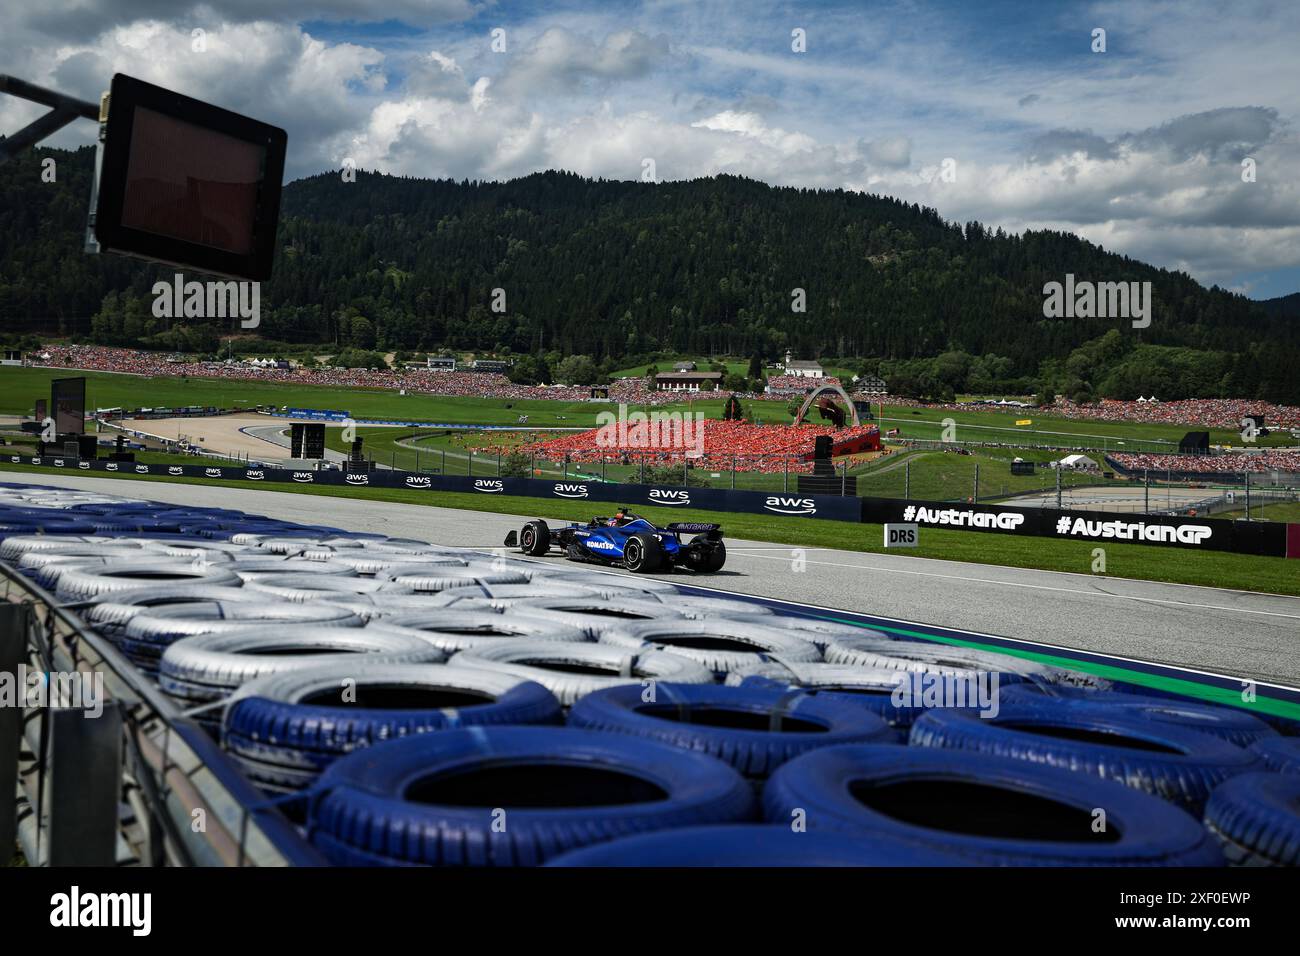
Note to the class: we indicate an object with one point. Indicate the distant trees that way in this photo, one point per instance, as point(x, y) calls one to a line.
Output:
point(627, 274)
point(576, 370)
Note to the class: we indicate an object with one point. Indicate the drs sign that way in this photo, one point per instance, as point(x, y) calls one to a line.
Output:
point(900, 536)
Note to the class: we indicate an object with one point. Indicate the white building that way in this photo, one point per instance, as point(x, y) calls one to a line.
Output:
point(801, 368)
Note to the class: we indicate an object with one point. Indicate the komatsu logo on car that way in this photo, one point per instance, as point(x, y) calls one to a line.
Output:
point(303, 476)
point(212, 472)
point(354, 479)
point(175, 470)
point(419, 481)
point(790, 506)
point(491, 487)
point(963, 518)
point(670, 496)
point(254, 475)
point(602, 545)
point(571, 491)
point(1120, 530)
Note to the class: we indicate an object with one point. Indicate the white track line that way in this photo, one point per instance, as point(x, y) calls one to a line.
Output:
point(1036, 587)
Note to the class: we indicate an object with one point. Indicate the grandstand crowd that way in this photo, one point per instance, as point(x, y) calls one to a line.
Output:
point(1254, 462)
point(1205, 412)
point(725, 446)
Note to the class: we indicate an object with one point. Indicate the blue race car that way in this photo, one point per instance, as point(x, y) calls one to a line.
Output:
point(629, 540)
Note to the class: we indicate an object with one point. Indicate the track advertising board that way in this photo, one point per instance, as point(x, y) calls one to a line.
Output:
point(1099, 527)
point(68, 400)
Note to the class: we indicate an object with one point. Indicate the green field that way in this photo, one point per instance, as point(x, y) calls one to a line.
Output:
point(1285, 511)
point(1146, 562)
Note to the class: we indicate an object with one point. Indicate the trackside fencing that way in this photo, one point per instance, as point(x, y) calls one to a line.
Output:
point(100, 768)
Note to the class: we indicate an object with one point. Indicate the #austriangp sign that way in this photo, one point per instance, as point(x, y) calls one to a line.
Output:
point(1101, 527)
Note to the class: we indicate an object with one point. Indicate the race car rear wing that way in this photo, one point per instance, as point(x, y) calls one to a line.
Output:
point(693, 527)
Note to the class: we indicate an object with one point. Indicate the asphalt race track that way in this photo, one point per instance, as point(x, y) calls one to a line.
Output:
point(1234, 634)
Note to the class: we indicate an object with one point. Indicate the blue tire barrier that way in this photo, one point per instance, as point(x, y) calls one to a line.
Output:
point(441, 799)
point(756, 845)
point(1233, 725)
point(995, 810)
point(1280, 754)
point(289, 727)
point(1256, 817)
point(755, 730)
point(1167, 760)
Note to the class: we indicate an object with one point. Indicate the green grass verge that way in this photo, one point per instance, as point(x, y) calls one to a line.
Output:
point(1141, 562)
point(1285, 511)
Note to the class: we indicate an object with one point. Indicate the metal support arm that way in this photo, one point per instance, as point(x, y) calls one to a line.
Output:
point(63, 110)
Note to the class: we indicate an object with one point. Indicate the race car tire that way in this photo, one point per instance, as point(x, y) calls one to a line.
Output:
point(298, 720)
point(706, 562)
point(753, 729)
point(1231, 724)
point(1167, 760)
point(995, 810)
point(566, 669)
point(439, 799)
point(535, 538)
point(209, 667)
point(1256, 817)
point(750, 845)
point(718, 644)
point(642, 553)
point(452, 630)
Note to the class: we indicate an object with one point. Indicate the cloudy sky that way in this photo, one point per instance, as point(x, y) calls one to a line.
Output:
point(1138, 148)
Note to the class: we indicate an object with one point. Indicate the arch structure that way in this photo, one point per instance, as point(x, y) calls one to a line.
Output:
point(812, 397)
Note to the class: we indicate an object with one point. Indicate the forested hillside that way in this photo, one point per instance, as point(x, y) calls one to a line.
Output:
point(615, 269)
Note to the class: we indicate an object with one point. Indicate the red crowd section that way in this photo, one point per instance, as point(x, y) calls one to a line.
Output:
point(724, 446)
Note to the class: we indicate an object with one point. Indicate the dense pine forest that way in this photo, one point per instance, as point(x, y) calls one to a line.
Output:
point(616, 270)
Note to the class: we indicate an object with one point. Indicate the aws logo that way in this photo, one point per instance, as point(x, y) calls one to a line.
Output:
point(571, 491)
point(212, 472)
point(670, 496)
point(175, 470)
point(84, 465)
point(416, 481)
point(142, 469)
point(491, 487)
point(16, 459)
point(305, 476)
point(58, 463)
point(790, 506)
point(111, 466)
point(254, 475)
point(36, 461)
point(353, 479)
